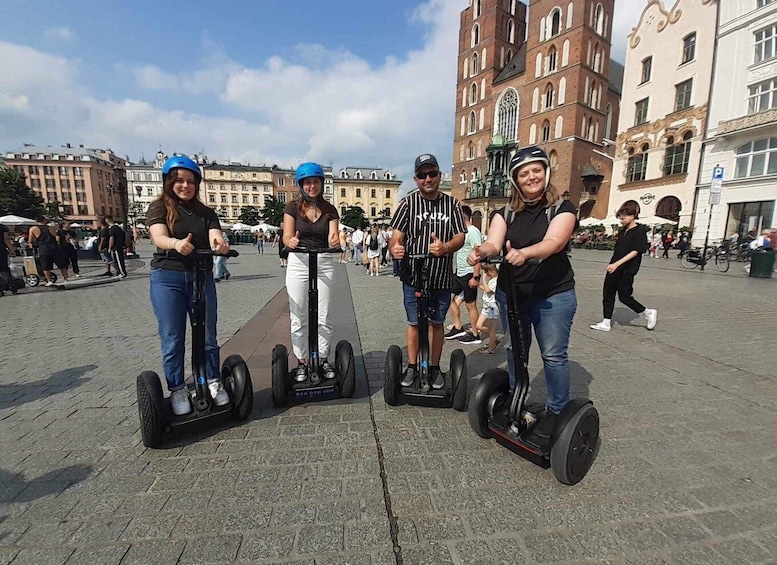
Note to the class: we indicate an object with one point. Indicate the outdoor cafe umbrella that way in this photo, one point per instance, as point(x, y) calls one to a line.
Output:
point(655, 221)
point(12, 220)
point(591, 222)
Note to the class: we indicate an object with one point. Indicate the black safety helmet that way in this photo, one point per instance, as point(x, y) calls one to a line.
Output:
point(526, 155)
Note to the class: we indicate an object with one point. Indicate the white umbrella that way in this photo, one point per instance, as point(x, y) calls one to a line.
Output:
point(226, 226)
point(346, 228)
point(591, 222)
point(12, 220)
point(241, 226)
point(655, 221)
point(76, 225)
point(264, 227)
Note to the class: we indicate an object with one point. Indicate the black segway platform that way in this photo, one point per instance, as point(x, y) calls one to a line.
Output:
point(420, 392)
point(495, 412)
point(156, 414)
point(284, 387)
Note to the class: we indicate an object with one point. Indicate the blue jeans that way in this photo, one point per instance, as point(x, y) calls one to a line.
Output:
point(439, 302)
point(552, 322)
point(220, 267)
point(260, 247)
point(171, 297)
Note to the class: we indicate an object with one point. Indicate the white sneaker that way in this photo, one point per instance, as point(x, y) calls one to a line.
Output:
point(601, 326)
point(49, 284)
point(652, 316)
point(181, 402)
point(217, 393)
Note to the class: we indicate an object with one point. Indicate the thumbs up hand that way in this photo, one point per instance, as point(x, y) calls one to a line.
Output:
point(514, 256)
point(294, 241)
point(185, 246)
point(475, 256)
point(437, 247)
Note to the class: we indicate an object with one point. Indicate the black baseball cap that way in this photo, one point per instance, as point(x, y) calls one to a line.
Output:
point(425, 159)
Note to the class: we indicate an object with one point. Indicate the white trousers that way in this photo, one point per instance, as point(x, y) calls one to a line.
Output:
point(297, 289)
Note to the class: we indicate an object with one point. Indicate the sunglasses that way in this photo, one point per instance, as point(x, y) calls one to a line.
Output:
point(431, 174)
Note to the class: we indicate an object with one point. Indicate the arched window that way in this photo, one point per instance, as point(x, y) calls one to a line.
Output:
point(533, 134)
point(477, 8)
point(462, 153)
point(669, 207)
point(589, 135)
point(471, 151)
point(637, 164)
point(475, 64)
point(357, 175)
point(374, 175)
point(472, 122)
point(608, 122)
point(549, 98)
point(512, 7)
point(552, 60)
point(507, 115)
point(535, 100)
point(597, 58)
point(599, 19)
point(559, 128)
point(553, 157)
point(677, 156)
point(555, 23)
point(511, 31)
point(480, 148)
point(462, 176)
point(592, 96)
point(545, 131)
point(465, 71)
point(473, 93)
point(475, 35)
point(562, 91)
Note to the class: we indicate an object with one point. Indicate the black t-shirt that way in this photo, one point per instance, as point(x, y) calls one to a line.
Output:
point(313, 235)
point(63, 241)
point(118, 236)
point(418, 218)
point(45, 242)
point(3, 248)
point(189, 222)
point(634, 239)
point(551, 276)
point(104, 239)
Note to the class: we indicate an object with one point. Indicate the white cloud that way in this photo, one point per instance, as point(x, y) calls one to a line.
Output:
point(59, 34)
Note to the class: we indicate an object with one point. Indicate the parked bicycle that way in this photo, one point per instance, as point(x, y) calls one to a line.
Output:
point(699, 257)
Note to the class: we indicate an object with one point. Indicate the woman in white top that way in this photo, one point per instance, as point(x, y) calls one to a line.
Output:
point(372, 245)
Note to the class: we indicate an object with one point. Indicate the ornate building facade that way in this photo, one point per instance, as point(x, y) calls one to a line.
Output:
point(544, 79)
point(664, 108)
point(230, 187)
point(374, 190)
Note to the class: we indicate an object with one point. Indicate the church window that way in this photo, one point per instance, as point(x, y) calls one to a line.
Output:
point(507, 118)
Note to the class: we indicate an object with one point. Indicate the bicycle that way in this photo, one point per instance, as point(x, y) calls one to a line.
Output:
point(696, 258)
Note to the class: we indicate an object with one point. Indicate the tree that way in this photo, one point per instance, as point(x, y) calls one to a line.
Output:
point(355, 217)
point(272, 213)
point(250, 216)
point(16, 197)
point(53, 211)
point(384, 215)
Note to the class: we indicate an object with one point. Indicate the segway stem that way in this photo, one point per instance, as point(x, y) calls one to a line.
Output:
point(420, 272)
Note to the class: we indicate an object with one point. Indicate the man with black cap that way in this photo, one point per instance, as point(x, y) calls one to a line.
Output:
point(427, 221)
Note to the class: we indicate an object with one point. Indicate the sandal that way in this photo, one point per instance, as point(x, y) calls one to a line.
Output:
point(486, 351)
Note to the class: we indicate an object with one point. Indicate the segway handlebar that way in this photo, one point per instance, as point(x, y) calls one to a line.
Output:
point(316, 250)
point(210, 253)
point(499, 259)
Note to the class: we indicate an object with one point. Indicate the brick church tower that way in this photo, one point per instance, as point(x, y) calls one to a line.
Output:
point(553, 86)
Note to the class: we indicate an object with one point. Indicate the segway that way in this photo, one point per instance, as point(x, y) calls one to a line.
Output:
point(496, 412)
point(315, 386)
point(454, 392)
point(156, 414)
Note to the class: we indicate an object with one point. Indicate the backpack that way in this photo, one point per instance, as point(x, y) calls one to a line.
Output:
point(373, 243)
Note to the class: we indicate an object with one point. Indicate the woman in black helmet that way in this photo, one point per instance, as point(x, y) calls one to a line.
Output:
point(537, 224)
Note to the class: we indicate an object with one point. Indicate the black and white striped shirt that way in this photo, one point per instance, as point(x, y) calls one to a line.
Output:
point(418, 218)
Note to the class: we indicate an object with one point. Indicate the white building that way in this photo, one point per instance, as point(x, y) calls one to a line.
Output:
point(144, 183)
point(742, 134)
point(664, 107)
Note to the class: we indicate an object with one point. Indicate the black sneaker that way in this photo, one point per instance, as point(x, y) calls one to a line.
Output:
point(408, 377)
point(438, 379)
point(301, 374)
point(327, 370)
point(470, 339)
point(545, 426)
point(455, 332)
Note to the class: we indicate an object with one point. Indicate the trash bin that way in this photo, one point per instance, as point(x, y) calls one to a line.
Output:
point(762, 263)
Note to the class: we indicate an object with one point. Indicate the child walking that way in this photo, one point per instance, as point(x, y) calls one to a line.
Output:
point(490, 312)
point(624, 265)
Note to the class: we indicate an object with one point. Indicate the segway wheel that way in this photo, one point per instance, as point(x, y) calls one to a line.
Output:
point(237, 382)
point(32, 280)
point(493, 383)
point(150, 405)
point(53, 277)
point(345, 365)
point(458, 369)
point(280, 375)
point(391, 374)
point(576, 446)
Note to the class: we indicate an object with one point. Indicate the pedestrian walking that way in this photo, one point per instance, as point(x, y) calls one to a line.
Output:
point(44, 243)
point(116, 244)
point(260, 242)
point(68, 243)
point(310, 222)
point(357, 238)
point(465, 286)
point(220, 270)
point(343, 245)
point(489, 314)
point(623, 268)
point(372, 246)
point(667, 243)
point(427, 221)
point(532, 232)
point(103, 244)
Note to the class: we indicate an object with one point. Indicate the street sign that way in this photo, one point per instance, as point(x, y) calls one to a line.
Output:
point(716, 185)
point(714, 198)
point(717, 172)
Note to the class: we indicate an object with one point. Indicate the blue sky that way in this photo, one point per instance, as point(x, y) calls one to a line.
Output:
point(347, 82)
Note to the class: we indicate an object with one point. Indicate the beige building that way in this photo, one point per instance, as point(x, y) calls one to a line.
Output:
point(285, 189)
point(371, 189)
point(664, 106)
point(230, 187)
point(88, 183)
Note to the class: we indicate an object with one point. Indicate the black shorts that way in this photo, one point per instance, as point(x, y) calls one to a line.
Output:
point(461, 286)
point(47, 262)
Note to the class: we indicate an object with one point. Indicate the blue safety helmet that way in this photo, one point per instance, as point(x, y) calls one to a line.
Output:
point(181, 162)
point(308, 170)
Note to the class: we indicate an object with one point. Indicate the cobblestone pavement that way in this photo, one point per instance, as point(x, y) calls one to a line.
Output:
point(686, 472)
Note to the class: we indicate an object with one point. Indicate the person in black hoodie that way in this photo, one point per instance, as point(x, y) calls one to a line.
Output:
point(631, 245)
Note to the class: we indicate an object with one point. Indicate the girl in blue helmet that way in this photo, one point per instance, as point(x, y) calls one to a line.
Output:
point(179, 223)
point(310, 222)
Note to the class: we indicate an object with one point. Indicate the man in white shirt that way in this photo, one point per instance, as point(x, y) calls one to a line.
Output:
point(358, 240)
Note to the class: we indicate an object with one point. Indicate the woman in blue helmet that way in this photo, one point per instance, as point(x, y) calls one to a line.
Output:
point(179, 223)
point(310, 222)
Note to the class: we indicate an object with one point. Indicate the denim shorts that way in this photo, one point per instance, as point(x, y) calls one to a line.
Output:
point(439, 302)
point(490, 311)
point(106, 257)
